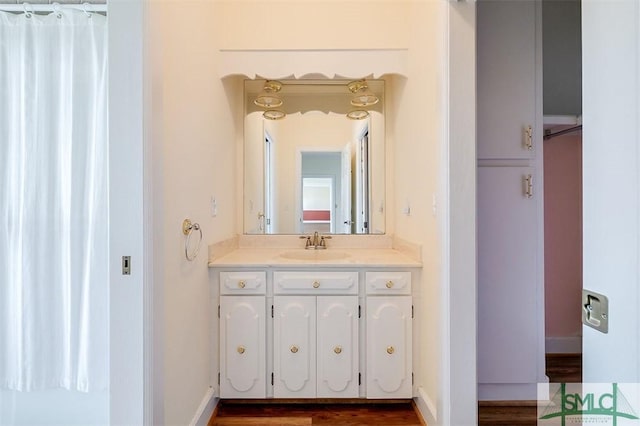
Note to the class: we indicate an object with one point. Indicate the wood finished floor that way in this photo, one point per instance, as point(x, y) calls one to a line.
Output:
point(561, 368)
point(565, 368)
point(231, 413)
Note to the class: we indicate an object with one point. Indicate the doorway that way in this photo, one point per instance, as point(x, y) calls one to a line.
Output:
point(562, 159)
point(324, 203)
point(318, 194)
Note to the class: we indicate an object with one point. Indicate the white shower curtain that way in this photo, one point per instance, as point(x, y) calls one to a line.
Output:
point(53, 202)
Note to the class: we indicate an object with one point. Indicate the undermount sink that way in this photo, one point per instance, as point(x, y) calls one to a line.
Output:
point(314, 255)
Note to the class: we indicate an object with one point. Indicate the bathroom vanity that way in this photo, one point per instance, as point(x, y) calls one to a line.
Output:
point(296, 323)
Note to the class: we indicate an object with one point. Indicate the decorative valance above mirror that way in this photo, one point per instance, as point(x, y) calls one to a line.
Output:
point(349, 64)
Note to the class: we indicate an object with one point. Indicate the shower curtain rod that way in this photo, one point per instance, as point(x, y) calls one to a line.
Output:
point(548, 136)
point(51, 7)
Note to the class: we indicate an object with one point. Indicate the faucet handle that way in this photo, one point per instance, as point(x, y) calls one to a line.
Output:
point(308, 242)
point(323, 242)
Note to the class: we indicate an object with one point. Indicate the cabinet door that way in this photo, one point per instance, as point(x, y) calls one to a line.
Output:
point(389, 360)
point(337, 341)
point(507, 78)
point(294, 347)
point(509, 325)
point(242, 347)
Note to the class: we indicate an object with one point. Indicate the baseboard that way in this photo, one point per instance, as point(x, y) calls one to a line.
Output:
point(426, 407)
point(205, 410)
point(563, 345)
point(507, 391)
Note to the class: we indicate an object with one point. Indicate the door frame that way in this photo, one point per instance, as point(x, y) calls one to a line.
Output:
point(132, 339)
point(457, 192)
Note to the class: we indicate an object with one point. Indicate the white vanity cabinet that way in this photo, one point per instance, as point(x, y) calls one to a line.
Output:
point(315, 337)
point(315, 333)
point(242, 335)
point(389, 335)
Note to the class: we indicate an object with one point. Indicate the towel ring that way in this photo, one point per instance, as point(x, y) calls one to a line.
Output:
point(187, 229)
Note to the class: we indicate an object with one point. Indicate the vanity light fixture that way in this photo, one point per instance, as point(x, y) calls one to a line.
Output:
point(274, 114)
point(357, 114)
point(363, 96)
point(269, 98)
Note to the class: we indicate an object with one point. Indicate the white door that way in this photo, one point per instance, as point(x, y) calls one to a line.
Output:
point(611, 179)
point(131, 376)
point(337, 340)
point(361, 172)
point(294, 347)
point(510, 301)
point(389, 359)
point(508, 345)
point(345, 221)
point(242, 347)
point(507, 70)
point(266, 220)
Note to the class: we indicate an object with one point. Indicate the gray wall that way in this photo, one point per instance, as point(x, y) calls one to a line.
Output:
point(562, 57)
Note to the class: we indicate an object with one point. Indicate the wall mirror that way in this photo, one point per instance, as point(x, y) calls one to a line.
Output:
point(314, 156)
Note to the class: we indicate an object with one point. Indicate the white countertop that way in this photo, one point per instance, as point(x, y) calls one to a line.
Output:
point(331, 257)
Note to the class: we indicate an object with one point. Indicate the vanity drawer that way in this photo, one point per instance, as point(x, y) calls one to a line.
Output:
point(388, 282)
point(247, 282)
point(315, 282)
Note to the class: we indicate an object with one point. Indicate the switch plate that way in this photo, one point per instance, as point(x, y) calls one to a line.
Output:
point(595, 310)
point(214, 206)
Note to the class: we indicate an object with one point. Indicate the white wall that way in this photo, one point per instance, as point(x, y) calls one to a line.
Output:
point(416, 124)
point(415, 121)
point(194, 159)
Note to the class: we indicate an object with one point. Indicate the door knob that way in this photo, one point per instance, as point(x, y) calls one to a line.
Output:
point(241, 349)
point(293, 349)
point(337, 349)
point(390, 350)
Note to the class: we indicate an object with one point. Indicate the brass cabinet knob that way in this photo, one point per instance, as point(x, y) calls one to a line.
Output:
point(389, 284)
point(241, 349)
point(293, 349)
point(316, 284)
point(337, 349)
point(241, 284)
point(390, 350)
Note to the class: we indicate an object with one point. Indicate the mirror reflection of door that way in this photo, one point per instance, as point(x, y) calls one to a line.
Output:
point(361, 184)
point(266, 223)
